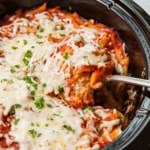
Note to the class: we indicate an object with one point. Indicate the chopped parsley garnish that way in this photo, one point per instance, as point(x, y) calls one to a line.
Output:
point(14, 47)
point(85, 56)
point(6, 80)
point(41, 29)
point(120, 117)
point(66, 56)
point(57, 115)
point(44, 85)
point(59, 27)
point(69, 128)
point(63, 35)
point(39, 36)
point(46, 125)
point(16, 121)
point(60, 89)
point(28, 54)
point(32, 123)
point(18, 105)
point(12, 70)
point(38, 42)
point(31, 80)
point(12, 110)
point(88, 108)
point(49, 105)
point(25, 61)
point(25, 42)
point(32, 93)
point(40, 102)
point(98, 128)
point(28, 79)
point(50, 34)
point(34, 133)
point(33, 68)
point(17, 66)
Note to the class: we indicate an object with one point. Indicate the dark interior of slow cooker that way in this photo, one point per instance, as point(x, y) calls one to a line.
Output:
point(101, 13)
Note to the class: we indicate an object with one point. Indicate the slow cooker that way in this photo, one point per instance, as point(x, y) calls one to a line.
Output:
point(133, 26)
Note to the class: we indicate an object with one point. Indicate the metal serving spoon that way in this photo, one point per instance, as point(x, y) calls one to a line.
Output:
point(127, 79)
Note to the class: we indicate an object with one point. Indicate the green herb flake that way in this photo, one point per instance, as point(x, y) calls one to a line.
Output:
point(12, 110)
point(60, 89)
point(89, 108)
point(12, 70)
point(50, 34)
point(31, 80)
point(41, 29)
point(51, 119)
point(82, 118)
point(28, 79)
point(39, 134)
point(39, 36)
point(4, 89)
point(59, 27)
point(38, 125)
point(25, 61)
point(14, 47)
point(28, 54)
point(46, 125)
point(49, 105)
point(25, 42)
point(66, 56)
point(32, 123)
point(33, 133)
point(6, 80)
point(69, 128)
point(57, 115)
point(18, 105)
point(38, 42)
point(35, 78)
point(44, 85)
point(85, 57)
point(16, 122)
point(120, 117)
point(40, 103)
point(62, 35)
point(98, 128)
point(17, 66)
point(32, 93)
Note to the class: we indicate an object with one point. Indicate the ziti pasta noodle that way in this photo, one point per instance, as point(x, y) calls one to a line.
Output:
point(51, 62)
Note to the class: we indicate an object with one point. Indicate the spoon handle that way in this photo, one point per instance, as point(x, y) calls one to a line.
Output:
point(127, 79)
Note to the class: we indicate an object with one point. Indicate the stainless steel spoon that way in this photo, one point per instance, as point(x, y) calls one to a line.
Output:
point(128, 79)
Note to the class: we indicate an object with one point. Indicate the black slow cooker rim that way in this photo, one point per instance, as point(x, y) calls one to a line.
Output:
point(128, 9)
point(140, 25)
